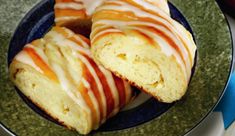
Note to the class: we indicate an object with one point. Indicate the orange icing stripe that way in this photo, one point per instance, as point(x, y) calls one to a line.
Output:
point(167, 38)
point(61, 31)
point(159, 15)
point(102, 29)
point(110, 3)
point(70, 12)
point(145, 36)
point(64, 1)
point(116, 15)
point(107, 90)
point(121, 90)
point(84, 39)
point(41, 64)
point(75, 40)
point(90, 79)
point(130, 16)
point(86, 97)
point(102, 35)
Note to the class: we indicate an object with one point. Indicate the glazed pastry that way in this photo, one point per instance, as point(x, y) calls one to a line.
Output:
point(162, 4)
point(71, 12)
point(57, 74)
point(140, 42)
point(75, 14)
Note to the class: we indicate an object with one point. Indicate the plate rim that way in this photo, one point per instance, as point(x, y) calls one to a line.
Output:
point(221, 94)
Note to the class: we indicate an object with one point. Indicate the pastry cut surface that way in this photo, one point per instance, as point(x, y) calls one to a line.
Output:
point(139, 41)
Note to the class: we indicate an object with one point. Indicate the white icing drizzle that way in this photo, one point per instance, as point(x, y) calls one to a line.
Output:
point(91, 5)
point(96, 28)
point(168, 50)
point(192, 49)
point(166, 20)
point(40, 52)
point(112, 85)
point(69, 5)
point(96, 106)
point(71, 34)
point(62, 41)
point(73, 74)
point(104, 107)
point(151, 5)
point(133, 23)
point(161, 4)
point(84, 44)
point(148, 4)
point(171, 51)
point(104, 32)
point(65, 18)
point(86, 83)
point(174, 31)
point(71, 90)
point(97, 80)
point(93, 99)
point(74, 46)
point(66, 73)
point(26, 59)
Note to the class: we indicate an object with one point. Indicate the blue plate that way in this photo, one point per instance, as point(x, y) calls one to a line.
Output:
point(38, 21)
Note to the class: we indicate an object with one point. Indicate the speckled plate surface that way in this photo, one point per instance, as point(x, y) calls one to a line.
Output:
point(212, 70)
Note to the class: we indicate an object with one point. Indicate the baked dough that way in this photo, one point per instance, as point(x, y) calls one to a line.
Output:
point(139, 41)
point(57, 73)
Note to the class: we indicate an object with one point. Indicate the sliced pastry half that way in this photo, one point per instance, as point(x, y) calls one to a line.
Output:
point(139, 41)
point(57, 73)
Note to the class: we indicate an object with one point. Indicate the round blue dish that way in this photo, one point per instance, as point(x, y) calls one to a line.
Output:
point(211, 73)
point(38, 22)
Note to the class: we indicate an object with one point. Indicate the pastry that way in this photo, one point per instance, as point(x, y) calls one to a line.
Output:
point(73, 10)
point(70, 11)
point(76, 14)
point(139, 41)
point(58, 74)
